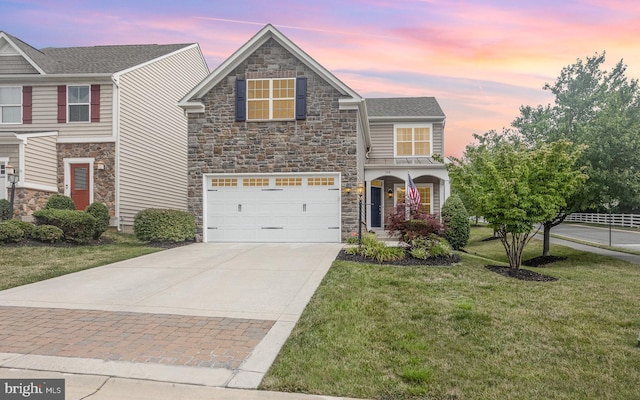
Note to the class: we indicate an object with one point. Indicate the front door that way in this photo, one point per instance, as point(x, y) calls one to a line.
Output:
point(80, 185)
point(376, 207)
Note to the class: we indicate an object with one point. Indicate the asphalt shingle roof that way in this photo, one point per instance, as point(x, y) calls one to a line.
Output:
point(404, 107)
point(94, 59)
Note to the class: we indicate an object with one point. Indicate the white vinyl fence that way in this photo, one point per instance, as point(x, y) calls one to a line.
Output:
point(628, 220)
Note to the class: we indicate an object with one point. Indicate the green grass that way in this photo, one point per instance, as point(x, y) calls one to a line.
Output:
point(27, 264)
point(464, 332)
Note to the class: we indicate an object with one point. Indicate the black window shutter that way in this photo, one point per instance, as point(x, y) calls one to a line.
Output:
point(301, 98)
point(241, 100)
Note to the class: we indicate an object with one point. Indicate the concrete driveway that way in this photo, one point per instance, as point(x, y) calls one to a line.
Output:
point(205, 314)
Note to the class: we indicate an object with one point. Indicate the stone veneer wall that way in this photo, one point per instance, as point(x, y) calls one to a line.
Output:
point(325, 142)
point(27, 201)
point(103, 180)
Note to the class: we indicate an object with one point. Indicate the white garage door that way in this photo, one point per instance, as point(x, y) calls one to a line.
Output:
point(272, 208)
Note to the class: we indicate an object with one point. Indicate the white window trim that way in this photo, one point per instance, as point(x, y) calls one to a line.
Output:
point(13, 105)
point(418, 185)
point(67, 174)
point(68, 111)
point(395, 139)
point(271, 99)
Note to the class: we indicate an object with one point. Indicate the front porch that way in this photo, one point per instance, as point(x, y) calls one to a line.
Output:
point(386, 187)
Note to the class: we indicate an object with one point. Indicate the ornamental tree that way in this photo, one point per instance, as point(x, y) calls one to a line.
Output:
point(516, 188)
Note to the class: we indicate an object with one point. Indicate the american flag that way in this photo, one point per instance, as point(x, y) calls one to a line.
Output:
point(413, 194)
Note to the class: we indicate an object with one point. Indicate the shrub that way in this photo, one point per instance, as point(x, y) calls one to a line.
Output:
point(377, 250)
point(420, 224)
point(438, 247)
point(10, 233)
point(26, 227)
point(47, 233)
point(456, 218)
point(5, 207)
point(78, 226)
point(419, 252)
point(163, 225)
point(101, 213)
point(59, 202)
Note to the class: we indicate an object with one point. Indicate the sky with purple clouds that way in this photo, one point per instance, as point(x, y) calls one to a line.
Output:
point(482, 60)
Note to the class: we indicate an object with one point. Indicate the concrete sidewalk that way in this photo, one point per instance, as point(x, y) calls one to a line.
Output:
point(97, 387)
point(205, 314)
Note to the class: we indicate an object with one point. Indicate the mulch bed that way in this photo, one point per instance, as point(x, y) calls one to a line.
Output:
point(408, 261)
point(522, 274)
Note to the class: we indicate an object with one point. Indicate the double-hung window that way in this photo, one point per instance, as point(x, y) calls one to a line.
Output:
point(271, 99)
point(10, 105)
point(413, 140)
point(78, 101)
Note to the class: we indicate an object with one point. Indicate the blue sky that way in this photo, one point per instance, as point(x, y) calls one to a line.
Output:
point(482, 60)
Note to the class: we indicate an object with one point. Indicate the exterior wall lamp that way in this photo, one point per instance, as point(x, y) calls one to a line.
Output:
point(360, 189)
point(100, 165)
point(390, 193)
point(13, 177)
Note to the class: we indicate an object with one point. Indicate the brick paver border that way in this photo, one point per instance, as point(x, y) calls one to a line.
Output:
point(127, 336)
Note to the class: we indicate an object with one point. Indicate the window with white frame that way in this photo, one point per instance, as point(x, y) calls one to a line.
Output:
point(271, 99)
point(11, 105)
point(78, 102)
point(413, 140)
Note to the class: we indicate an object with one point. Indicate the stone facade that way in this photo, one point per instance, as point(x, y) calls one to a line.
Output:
point(326, 141)
point(103, 180)
point(27, 201)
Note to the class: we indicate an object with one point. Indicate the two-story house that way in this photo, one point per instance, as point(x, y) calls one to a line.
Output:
point(97, 124)
point(279, 149)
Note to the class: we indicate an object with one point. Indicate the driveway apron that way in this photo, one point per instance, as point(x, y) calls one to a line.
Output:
point(209, 314)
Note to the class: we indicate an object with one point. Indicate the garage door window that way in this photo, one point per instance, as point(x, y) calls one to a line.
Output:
point(288, 181)
point(320, 181)
point(255, 182)
point(224, 182)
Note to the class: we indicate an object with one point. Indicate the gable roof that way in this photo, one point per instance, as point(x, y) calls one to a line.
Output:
point(404, 108)
point(92, 59)
point(190, 101)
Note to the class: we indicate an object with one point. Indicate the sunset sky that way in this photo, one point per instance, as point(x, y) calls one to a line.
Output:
point(482, 60)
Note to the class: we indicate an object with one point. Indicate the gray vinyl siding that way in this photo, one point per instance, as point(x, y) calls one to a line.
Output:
point(153, 133)
point(382, 136)
point(438, 138)
point(12, 151)
point(41, 161)
point(45, 114)
point(15, 65)
point(381, 141)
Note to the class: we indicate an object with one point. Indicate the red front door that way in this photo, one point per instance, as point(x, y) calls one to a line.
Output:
point(80, 185)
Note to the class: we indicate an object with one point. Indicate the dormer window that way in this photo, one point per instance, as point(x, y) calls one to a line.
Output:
point(11, 105)
point(78, 103)
point(413, 140)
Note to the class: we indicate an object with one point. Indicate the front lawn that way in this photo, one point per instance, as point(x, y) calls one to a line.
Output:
point(464, 332)
point(20, 265)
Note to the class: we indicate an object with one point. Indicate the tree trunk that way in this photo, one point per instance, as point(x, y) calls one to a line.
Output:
point(546, 247)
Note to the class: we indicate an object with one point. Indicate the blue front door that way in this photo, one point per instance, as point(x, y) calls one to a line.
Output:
point(376, 207)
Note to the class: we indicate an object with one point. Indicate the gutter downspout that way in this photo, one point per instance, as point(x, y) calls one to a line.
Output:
point(116, 135)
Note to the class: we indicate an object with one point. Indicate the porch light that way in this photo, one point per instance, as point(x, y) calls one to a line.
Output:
point(390, 193)
point(100, 165)
point(347, 188)
point(13, 178)
point(360, 189)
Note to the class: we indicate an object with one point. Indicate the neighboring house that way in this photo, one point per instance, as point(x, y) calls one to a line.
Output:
point(97, 124)
point(278, 146)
